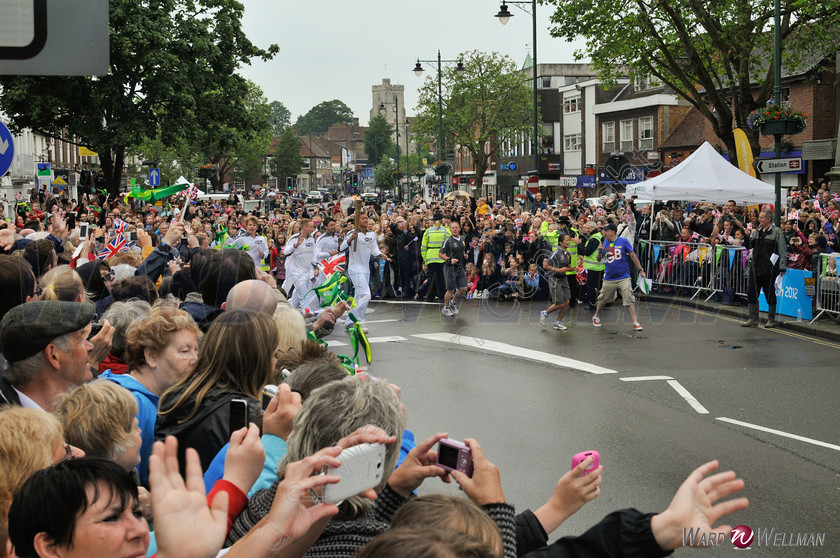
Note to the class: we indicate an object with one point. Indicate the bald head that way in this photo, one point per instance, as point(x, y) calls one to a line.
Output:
point(251, 295)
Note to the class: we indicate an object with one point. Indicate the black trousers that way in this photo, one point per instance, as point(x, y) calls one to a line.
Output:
point(758, 283)
point(436, 278)
point(574, 287)
point(593, 283)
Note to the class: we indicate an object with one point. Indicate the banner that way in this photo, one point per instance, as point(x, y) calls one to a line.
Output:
point(745, 155)
point(790, 296)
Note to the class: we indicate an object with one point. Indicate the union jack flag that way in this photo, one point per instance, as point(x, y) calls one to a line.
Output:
point(120, 226)
point(114, 247)
point(191, 192)
point(333, 264)
point(793, 215)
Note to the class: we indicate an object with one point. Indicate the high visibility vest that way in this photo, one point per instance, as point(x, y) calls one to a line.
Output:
point(433, 239)
point(591, 261)
point(573, 252)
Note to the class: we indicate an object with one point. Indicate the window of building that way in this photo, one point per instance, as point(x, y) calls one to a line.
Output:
point(608, 136)
point(643, 83)
point(546, 82)
point(572, 142)
point(571, 104)
point(627, 135)
point(646, 133)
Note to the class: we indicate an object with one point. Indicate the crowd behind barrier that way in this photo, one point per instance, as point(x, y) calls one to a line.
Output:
point(154, 297)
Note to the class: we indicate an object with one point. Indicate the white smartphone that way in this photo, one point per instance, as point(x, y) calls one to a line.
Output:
point(362, 468)
point(84, 231)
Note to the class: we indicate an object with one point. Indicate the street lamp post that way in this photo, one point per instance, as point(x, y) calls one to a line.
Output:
point(504, 16)
point(777, 97)
point(418, 71)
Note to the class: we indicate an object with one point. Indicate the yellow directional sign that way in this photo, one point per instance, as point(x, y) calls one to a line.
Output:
point(59, 182)
point(425, 162)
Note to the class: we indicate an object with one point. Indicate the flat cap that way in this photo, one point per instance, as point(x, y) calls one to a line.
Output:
point(28, 328)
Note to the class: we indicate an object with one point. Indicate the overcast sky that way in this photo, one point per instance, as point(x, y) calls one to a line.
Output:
point(339, 50)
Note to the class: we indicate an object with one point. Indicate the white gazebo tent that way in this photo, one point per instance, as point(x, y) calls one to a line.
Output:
point(705, 176)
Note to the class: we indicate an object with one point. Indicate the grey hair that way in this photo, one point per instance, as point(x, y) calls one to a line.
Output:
point(336, 410)
point(26, 370)
point(121, 315)
point(768, 214)
point(123, 271)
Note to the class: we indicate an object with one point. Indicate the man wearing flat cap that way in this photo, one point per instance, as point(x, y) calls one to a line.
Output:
point(46, 349)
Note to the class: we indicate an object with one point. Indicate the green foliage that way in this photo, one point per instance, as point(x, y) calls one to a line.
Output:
point(378, 142)
point(489, 103)
point(712, 53)
point(322, 116)
point(384, 175)
point(281, 115)
point(175, 159)
point(165, 56)
point(287, 160)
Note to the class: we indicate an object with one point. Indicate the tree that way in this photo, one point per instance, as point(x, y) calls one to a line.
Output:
point(174, 159)
point(287, 161)
point(322, 116)
point(164, 56)
point(378, 142)
point(716, 55)
point(384, 175)
point(486, 105)
point(282, 116)
point(236, 128)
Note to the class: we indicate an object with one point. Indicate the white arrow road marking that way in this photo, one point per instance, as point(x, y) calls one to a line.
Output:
point(512, 350)
point(644, 378)
point(371, 340)
point(4, 145)
point(779, 433)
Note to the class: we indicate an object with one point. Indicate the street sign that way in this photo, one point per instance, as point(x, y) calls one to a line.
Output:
point(52, 38)
point(7, 149)
point(154, 177)
point(512, 166)
point(44, 169)
point(784, 164)
point(60, 182)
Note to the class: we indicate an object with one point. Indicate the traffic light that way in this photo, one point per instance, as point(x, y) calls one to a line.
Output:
point(289, 182)
point(355, 180)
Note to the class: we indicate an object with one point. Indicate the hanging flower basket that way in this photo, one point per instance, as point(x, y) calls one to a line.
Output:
point(774, 120)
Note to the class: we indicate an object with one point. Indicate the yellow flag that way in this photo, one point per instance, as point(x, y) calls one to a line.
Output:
point(701, 252)
point(85, 152)
point(745, 156)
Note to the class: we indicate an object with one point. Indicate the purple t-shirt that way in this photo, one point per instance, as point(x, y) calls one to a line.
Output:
point(616, 259)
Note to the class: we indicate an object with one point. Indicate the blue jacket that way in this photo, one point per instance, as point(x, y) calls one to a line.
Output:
point(147, 405)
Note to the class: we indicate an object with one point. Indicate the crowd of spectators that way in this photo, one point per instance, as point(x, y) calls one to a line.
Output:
point(114, 366)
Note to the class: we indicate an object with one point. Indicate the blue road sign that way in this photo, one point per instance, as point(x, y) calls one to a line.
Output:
point(154, 177)
point(7, 149)
point(512, 166)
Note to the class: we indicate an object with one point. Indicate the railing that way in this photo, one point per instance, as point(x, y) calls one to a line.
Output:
point(678, 265)
point(827, 300)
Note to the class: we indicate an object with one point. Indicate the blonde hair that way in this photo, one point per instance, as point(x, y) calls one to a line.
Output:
point(98, 417)
point(291, 327)
point(154, 332)
point(62, 283)
point(131, 257)
point(27, 440)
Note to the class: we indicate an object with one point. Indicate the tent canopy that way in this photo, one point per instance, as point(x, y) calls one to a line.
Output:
point(705, 176)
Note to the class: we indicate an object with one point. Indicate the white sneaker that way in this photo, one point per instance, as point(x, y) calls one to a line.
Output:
point(454, 308)
point(446, 312)
point(364, 327)
point(559, 326)
point(543, 317)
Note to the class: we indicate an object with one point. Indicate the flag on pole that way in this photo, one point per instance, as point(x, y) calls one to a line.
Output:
point(120, 226)
point(192, 192)
point(644, 284)
point(793, 215)
point(114, 247)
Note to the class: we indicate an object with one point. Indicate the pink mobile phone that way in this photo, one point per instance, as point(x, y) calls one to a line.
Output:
point(579, 458)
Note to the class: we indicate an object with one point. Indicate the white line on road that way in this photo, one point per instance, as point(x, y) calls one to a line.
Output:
point(403, 302)
point(381, 321)
point(645, 378)
point(332, 343)
point(780, 433)
point(512, 350)
point(688, 397)
point(371, 340)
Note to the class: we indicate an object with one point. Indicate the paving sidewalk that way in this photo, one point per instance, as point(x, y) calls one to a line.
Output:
point(825, 327)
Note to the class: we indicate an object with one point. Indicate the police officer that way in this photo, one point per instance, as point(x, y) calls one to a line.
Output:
point(433, 239)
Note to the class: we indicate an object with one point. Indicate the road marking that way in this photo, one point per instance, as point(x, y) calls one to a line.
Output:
point(380, 321)
point(332, 343)
point(405, 302)
point(645, 378)
point(371, 340)
point(688, 397)
point(780, 433)
point(512, 350)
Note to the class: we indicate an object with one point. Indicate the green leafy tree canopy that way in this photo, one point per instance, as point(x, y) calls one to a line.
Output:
point(378, 142)
point(716, 55)
point(281, 115)
point(287, 161)
point(322, 116)
point(487, 104)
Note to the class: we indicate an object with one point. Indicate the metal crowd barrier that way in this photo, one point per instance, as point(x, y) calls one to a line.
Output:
point(827, 299)
point(731, 269)
point(678, 265)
